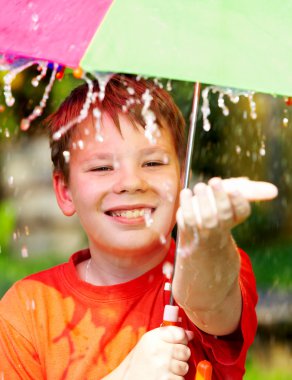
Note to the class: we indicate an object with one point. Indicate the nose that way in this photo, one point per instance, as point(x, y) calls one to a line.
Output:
point(130, 180)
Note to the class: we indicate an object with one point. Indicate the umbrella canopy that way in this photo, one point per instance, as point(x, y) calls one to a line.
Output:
point(234, 44)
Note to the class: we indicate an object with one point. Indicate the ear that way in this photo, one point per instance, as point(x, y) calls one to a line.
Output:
point(63, 194)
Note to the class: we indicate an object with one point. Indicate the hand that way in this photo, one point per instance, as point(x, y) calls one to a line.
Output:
point(160, 354)
point(213, 210)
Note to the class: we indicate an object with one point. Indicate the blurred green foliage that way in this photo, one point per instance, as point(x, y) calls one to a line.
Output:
point(8, 220)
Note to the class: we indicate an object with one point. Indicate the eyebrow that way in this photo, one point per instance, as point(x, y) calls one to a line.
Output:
point(144, 151)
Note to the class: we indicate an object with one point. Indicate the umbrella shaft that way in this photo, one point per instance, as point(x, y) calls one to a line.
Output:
point(191, 136)
point(188, 160)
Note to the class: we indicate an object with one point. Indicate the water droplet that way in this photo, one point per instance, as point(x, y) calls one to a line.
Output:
point(148, 219)
point(66, 155)
point(285, 122)
point(35, 17)
point(162, 239)
point(80, 144)
point(238, 149)
point(10, 101)
point(98, 137)
point(26, 230)
point(24, 124)
point(165, 159)
point(168, 85)
point(96, 113)
point(30, 305)
point(130, 90)
point(206, 125)
point(57, 135)
point(35, 82)
point(24, 251)
point(167, 269)
point(262, 151)
point(38, 111)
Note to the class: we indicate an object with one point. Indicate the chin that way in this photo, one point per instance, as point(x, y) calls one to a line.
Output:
point(133, 247)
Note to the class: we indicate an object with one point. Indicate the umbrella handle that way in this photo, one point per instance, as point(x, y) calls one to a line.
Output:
point(170, 318)
point(204, 370)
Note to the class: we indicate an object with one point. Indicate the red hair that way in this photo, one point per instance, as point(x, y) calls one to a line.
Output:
point(117, 97)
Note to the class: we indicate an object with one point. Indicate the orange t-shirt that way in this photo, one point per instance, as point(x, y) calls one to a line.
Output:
point(55, 326)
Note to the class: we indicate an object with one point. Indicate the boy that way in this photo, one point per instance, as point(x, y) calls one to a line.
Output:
point(98, 316)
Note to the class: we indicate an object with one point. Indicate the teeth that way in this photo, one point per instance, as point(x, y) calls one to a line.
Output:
point(131, 214)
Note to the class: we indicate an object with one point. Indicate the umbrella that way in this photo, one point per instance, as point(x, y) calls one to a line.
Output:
point(245, 45)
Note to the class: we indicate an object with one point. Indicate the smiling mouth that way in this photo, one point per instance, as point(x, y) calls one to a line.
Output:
point(131, 214)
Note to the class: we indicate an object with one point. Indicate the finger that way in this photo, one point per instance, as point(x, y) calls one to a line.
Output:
point(190, 335)
point(174, 334)
point(251, 190)
point(241, 206)
point(181, 352)
point(187, 211)
point(207, 206)
point(178, 367)
point(224, 207)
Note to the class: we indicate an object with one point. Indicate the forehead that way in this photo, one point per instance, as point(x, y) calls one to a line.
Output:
point(106, 135)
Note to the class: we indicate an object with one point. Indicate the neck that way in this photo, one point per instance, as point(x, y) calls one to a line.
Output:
point(108, 269)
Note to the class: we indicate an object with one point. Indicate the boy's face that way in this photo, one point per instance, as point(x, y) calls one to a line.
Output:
point(118, 183)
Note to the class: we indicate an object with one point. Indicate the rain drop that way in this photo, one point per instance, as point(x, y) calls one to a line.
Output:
point(24, 251)
point(24, 124)
point(238, 149)
point(285, 122)
point(80, 144)
point(98, 137)
point(148, 219)
point(66, 155)
point(169, 85)
point(30, 305)
point(26, 230)
point(131, 91)
point(162, 239)
point(167, 270)
point(35, 20)
point(165, 159)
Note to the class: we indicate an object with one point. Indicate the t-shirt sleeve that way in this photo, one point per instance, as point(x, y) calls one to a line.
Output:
point(18, 357)
point(231, 350)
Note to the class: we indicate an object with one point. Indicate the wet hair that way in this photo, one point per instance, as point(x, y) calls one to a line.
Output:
point(117, 100)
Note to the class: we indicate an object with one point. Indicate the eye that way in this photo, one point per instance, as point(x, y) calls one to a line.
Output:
point(153, 163)
point(102, 169)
